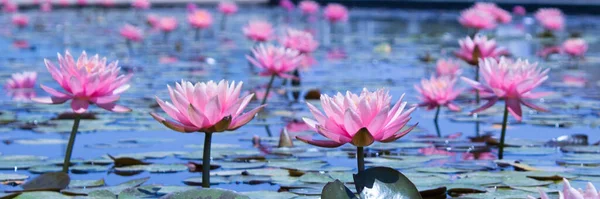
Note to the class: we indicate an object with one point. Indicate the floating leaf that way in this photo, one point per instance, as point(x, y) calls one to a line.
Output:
point(205, 193)
point(269, 195)
point(41, 194)
point(86, 183)
point(12, 177)
point(101, 194)
point(44, 169)
point(336, 190)
point(48, 181)
point(126, 161)
point(88, 168)
point(384, 182)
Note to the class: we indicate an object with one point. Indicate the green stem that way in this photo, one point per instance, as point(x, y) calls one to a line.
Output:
point(477, 80)
point(435, 121)
point(206, 160)
point(360, 158)
point(502, 135)
point(264, 101)
point(197, 34)
point(223, 22)
point(67, 161)
point(268, 130)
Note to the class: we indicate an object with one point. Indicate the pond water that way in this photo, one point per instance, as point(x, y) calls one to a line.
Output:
point(376, 48)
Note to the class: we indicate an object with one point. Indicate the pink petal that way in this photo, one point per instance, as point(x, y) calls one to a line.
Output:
point(399, 135)
point(244, 118)
point(50, 100)
point(342, 138)
point(79, 106)
point(453, 107)
point(105, 99)
point(54, 92)
point(514, 107)
point(352, 122)
point(173, 125)
point(196, 117)
point(487, 105)
point(75, 85)
point(114, 108)
point(533, 106)
point(316, 113)
point(319, 143)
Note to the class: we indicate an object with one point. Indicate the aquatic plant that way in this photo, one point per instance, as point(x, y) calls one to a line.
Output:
point(437, 92)
point(227, 8)
point(199, 20)
point(258, 30)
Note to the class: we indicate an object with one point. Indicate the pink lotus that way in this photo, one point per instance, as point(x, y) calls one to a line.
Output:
point(358, 119)
point(550, 18)
point(141, 4)
point(479, 156)
point(576, 79)
point(258, 30)
point(64, 3)
point(437, 92)
point(227, 7)
point(23, 95)
point(107, 3)
point(309, 7)
point(569, 192)
point(153, 20)
point(448, 67)
point(87, 81)
point(10, 7)
point(20, 20)
point(547, 51)
point(46, 7)
point(191, 7)
point(477, 19)
point(287, 5)
point(487, 48)
point(132, 33)
point(434, 151)
point(200, 19)
point(275, 60)
point(82, 2)
point(512, 82)
point(24, 80)
point(206, 107)
point(167, 24)
point(299, 40)
point(498, 13)
point(575, 47)
point(335, 12)
point(519, 10)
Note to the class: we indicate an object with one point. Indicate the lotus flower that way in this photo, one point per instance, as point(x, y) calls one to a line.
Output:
point(46, 7)
point(24, 80)
point(227, 7)
point(448, 67)
point(287, 5)
point(547, 51)
point(191, 7)
point(550, 18)
point(20, 20)
point(206, 107)
point(275, 60)
point(575, 47)
point(153, 20)
point(258, 30)
point(167, 24)
point(308, 7)
point(569, 192)
point(335, 12)
point(498, 13)
point(486, 48)
point(300, 40)
point(107, 3)
point(87, 81)
point(82, 2)
point(519, 10)
point(23, 95)
point(438, 91)
point(477, 19)
point(512, 82)
point(10, 7)
point(132, 33)
point(64, 3)
point(358, 119)
point(200, 19)
point(141, 4)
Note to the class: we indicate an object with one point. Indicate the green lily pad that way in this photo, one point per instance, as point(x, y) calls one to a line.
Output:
point(166, 168)
point(581, 149)
point(385, 183)
point(22, 158)
point(249, 179)
point(440, 170)
point(88, 168)
point(42, 194)
point(86, 183)
point(16, 165)
point(12, 177)
point(205, 193)
point(101, 194)
point(269, 195)
point(533, 151)
point(523, 181)
point(146, 140)
point(240, 165)
point(48, 181)
point(314, 177)
point(44, 169)
point(336, 190)
point(41, 141)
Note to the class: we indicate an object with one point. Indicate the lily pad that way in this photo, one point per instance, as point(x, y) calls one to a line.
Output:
point(269, 195)
point(12, 177)
point(336, 190)
point(42, 194)
point(205, 193)
point(86, 183)
point(385, 182)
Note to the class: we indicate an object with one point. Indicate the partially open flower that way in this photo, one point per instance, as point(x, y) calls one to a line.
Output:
point(258, 30)
point(438, 91)
point(477, 19)
point(300, 40)
point(227, 7)
point(550, 18)
point(575, 47)
point(167, 24)
point(141, 4)
point(471, 50)
point(24, 80)
point(335, 12)
point(308, 7)
point(200, 19)
point(132, 33)
point(275, 60)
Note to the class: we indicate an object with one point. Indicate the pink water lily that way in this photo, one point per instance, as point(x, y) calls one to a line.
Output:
point(486, 48)
point(10, 7)
point(200, 19)
point(358, 119)
point(448, 67)
point(308, 7)
point(46, 7)
point(152, 20)
point(107, 3)
point(141, 4)
point(519, 10)
point(501, 15)
point(86, 81)
point(300, 40)
point(438, 91)
point(287, 5)
point(206, 107)
point(509, 81)
point(227, 7)
point(569, 192)
point(258, 30)
point(575, 47)
point(335, 12)
point(275, 60)
point(24, 80)
point(20, 20)
point(477, 19)
point(132, 33)
point(167, 24)
point(550, 18)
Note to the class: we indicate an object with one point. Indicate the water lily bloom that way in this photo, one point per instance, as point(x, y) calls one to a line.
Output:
point(64, 3)
point(24, 80)
point(308, 7)
point(191, 7)
point(547, 51)
point(206, 107)
point(448, 67)
point(258, 30)
point(486, 48)
point(82, 2)
point(501, 15)
point(227, 7)
point(509, 81)
point(299, 40)
point(141, 4)
point(167, 24)
point(10, 7)
point(46, 7)
point(20, 20)
point(107, 3)
point(569, 192)
point(200, 19)
point(274, 60)
point(132, 33)
point(86, 81)
point(477, 19)
point(438, 91)
point(335, 12)
point(519, 10)
point(287, 5)
point(152, 20)
point(575, 47)
point(358, 119)
point(550, 18)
